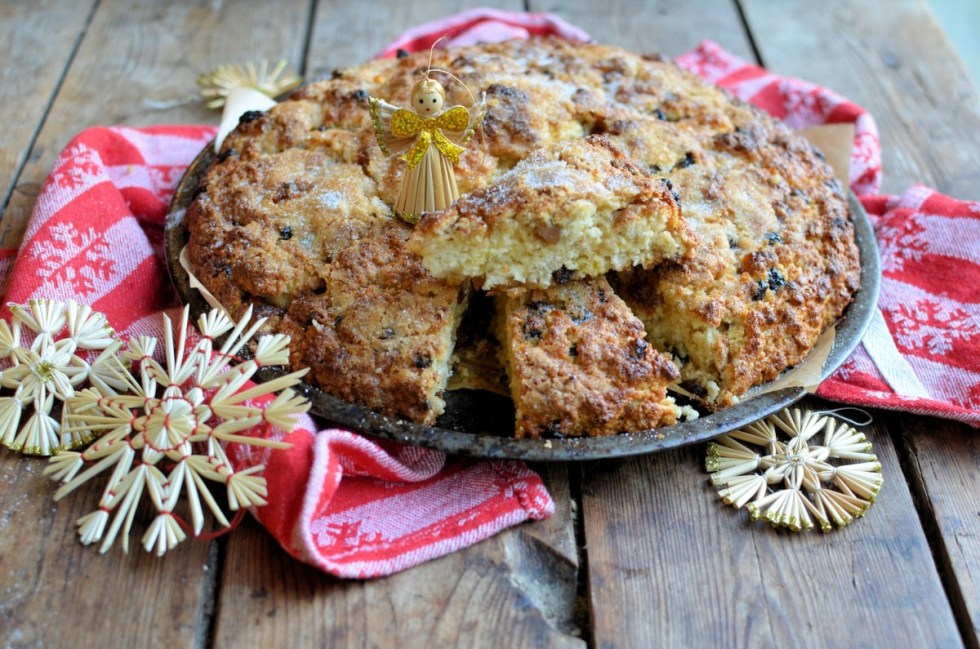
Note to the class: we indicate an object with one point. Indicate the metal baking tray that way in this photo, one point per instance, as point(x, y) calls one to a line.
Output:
point(481, 424)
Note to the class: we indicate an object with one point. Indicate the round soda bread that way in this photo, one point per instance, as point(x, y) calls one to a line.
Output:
point(295, 217)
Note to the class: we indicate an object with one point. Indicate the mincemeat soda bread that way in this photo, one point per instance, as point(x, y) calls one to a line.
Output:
point(295, 217)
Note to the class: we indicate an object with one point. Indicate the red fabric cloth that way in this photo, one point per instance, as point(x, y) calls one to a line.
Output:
point(358, 508)
point(923, 352)
point(483, 26)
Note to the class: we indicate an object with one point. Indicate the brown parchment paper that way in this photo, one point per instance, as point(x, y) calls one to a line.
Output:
point(196, 284)
point(835, 141)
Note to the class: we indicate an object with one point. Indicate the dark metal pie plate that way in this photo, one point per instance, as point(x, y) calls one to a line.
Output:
point(481, 424)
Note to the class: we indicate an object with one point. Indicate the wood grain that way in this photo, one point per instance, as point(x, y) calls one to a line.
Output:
point(655, 26)
point(30, 78)
point(896, 62)
point(56, 592)
point(518, 585)
point(138, 65)
point(671, 565)
point(899, 64)
point(348, 33)
point(137, 58)
point(944, 473)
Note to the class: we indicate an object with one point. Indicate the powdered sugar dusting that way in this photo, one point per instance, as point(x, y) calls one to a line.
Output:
point(331, 200)
point(552, 174)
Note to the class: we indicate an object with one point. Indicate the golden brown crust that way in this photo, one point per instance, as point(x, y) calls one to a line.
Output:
point(303, 235)
point(579, 363)
point(775, 261)
point(775, 264)
point(381, 334)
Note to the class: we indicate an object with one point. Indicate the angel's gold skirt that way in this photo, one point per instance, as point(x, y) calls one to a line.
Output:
point(429, 187)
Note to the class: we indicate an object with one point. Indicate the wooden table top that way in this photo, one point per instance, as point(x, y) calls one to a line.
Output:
point(640, 553)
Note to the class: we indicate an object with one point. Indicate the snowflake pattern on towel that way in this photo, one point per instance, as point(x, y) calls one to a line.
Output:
point(73, 257)
point(901, 240)
point(932, 327)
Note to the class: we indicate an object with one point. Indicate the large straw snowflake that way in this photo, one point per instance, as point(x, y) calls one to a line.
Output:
point(791, 483)
point(49, 350)
point(164, 433)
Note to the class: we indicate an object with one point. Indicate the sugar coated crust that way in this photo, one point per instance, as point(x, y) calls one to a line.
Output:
point(294, 217)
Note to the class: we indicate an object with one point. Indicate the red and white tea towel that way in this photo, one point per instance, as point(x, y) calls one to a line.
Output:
point(922, 351)
point(483, 26)
point(355, 507)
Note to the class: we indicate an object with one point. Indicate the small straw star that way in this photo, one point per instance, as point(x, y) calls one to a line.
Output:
point(49, 350)
point(217, 84)
point(793, 483)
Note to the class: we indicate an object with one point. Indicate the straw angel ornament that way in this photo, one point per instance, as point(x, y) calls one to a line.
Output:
point(430, 142)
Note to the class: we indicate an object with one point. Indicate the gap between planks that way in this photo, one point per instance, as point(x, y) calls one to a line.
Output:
point(211, 603)
point(582, 614)
point(908, 458)
point(756, 54)
point(207, 629)
point(12, 233)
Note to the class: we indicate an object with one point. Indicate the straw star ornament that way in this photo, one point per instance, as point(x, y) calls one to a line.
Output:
point(164, 429)
point(791, 483)
point(49, 349)
point(218, 84)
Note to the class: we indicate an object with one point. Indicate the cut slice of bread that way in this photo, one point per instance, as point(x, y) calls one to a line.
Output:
point(579, 209)
point(578, 363)
point(380, 332)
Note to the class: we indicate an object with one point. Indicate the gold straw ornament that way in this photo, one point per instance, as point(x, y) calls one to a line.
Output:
point(429, 140)
point(242, 89)
point(824, 474)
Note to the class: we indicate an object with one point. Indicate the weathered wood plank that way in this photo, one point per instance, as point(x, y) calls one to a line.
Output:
point(655, 26)
point(37, 40)
point(518, 585)
point(348, 33)
point(671, 566)
point(896, 61)
point(138, 65)
point(893, 59)
point(54, 591)
point(944, 472)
